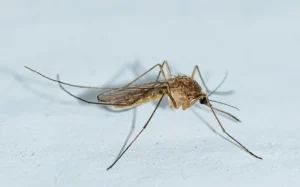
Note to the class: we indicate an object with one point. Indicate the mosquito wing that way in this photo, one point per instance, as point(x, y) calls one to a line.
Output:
point(133, 95)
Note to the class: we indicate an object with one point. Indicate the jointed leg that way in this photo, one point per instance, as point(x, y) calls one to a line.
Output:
point(160, 71)
point(94, 87)
point(196, 68)
point(230, 115)
point(169, 76)
point(131, 130)
point(168, 69)
point(224, 131)
point(64, 83)
point(144, 127)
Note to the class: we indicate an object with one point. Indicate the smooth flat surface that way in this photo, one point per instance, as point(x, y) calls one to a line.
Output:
point(50, 139)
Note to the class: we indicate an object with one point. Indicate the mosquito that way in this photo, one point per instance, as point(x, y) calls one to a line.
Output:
point(182, 91)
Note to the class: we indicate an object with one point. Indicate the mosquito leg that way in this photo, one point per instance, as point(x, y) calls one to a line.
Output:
point(196, 68)
point(168, 87)
point(172, 100)
point(230, 115)
point(73, 85)
point(144, 127)
point(130, 132)
point(78, 86)
point(157, 65)
point(169, 75)
point(81, 99)
point(168, 69)
point(223, 129)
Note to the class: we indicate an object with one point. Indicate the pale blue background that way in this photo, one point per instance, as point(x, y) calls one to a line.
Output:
point(50, 139)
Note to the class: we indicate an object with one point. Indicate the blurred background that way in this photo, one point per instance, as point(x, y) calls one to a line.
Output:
point(48, 138)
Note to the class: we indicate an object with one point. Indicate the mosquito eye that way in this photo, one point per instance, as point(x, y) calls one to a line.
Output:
point(203, 101)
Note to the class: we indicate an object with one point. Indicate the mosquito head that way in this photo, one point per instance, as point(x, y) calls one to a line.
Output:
point(203, 100)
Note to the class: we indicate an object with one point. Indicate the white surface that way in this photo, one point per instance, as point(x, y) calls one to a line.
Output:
point(50, 139)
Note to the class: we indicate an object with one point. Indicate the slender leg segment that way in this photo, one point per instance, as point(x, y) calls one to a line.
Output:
point(157, 65)
point(169, 76)
point(144, 127)
point(168, 69)
point(196, 68)
point(131, 130)
point(68, 84)
point(95, 87)
point(230, 115)
point(224, 131)
point(109, 89)
point(160, 71)
point(83, 100)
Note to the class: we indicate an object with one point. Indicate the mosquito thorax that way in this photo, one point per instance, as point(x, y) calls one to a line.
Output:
point(184, 90)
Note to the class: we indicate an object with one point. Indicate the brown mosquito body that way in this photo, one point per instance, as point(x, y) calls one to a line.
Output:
point(182, 91)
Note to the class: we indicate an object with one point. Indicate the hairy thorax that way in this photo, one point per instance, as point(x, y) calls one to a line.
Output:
point(183, 90)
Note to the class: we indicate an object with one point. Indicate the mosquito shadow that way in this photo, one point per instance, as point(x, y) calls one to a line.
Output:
point(213, 130)
point(129, 134)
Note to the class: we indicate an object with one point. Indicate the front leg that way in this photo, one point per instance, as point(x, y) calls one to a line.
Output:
point(169, 93)
point(168, 69)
